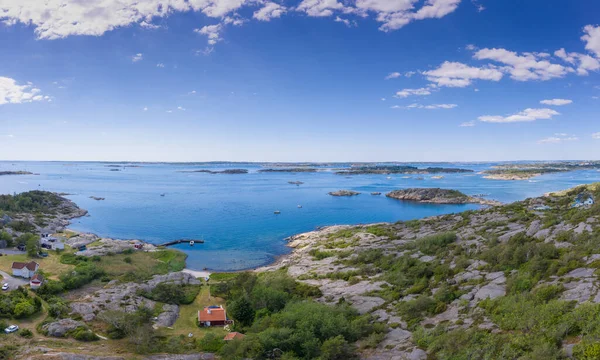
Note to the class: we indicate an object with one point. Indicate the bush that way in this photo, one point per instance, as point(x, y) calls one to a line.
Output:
point(26, 333)
point(210, 343)
point(83, 334)
point(430, 245)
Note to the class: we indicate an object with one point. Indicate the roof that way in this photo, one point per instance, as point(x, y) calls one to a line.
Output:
point(212, 313)
point(234, 335)
point(31, 266)
point(37, 278)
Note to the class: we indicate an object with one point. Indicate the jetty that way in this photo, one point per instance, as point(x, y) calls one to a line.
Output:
point(181, 241)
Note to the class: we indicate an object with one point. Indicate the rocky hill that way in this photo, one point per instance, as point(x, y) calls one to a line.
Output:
point(512, 281)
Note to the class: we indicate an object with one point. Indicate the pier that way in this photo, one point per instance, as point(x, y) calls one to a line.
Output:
point(181, 241)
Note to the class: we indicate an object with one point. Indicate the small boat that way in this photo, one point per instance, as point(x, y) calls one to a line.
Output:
point(277, 212)
point(192, 243)
point(162, 194)
point(389, 177)
point(299, 206)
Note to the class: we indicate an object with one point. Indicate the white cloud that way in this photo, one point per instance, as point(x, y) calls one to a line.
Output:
point(468, 124)
point(436, 9)
point(393, 75)
point(319, 8)
point(180, 108)
point(596, 135)
point(409, 73)
point(346, 22)
point(523, 116)
point(212, 32)
point(584, 62)
point(382, 99)
point(145, 108)
point(427, 107)
point(137, 57)
point(192, 92)
point(592, 39)
point(524, 67)
point(455, 74)
point(556, 102)
point(13, 93)
point(270, 11)
point(471, 47)
point(410, 92)
point(8, 136)
point(558, 138)
point(169, 111)
point(160, 65)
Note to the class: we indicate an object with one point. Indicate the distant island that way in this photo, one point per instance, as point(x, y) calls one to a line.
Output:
point(344, 193)
point(527, 171)
point(289, 170)
point(226, 171)
point(438, 196)
point(399, 169)
point(15, 173)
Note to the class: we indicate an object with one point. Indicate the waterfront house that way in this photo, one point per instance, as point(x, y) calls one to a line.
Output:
point(25, 270)
point(213, 316)
point(234, 336)
point(583, 200)
point(36, 281)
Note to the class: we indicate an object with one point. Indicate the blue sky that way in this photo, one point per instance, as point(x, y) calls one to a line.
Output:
point(303, 80)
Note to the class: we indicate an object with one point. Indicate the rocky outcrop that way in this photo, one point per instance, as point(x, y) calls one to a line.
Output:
point(343, 193)
point(61, 327)
point(112, 246)
point(437, 196)
point(125, 297)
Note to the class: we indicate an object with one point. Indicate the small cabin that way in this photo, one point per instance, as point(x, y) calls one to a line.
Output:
point(36, 281)
point(213, 316)
point(25, 270)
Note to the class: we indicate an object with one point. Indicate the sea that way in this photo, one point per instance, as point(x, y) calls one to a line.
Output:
point(235, 213)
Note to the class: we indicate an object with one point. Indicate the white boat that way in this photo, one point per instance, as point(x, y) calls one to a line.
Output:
point(277, 212)
point(192, 243)
point(299, 206)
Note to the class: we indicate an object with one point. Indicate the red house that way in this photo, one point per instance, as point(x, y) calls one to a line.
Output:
point(213, 316)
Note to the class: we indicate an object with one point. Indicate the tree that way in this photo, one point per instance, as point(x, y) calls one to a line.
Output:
point(241, 310)
point(32, 243)
point(336, 348)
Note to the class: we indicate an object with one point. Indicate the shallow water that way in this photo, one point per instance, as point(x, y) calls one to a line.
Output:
point(234, 213)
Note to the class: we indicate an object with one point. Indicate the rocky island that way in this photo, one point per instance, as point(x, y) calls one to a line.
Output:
point(289, 170)
point(438, 196)
point(526, 171)
point(398, 169)
point(343, 193)
point(15, 173)
point(226, 171)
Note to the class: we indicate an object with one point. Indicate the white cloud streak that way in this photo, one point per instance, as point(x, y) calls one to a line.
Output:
point(412, 92)
point(526, 115)
point(556, 102)
point(455, 74)
point(393, 75)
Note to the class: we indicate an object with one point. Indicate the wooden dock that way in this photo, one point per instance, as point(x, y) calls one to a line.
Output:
point(182, 241)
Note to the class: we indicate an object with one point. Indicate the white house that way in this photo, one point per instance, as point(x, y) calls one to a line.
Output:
point(25, 270)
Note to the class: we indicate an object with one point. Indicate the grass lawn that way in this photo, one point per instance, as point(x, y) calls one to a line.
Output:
point(186, 323)
point(51, 265)
point(143, 264)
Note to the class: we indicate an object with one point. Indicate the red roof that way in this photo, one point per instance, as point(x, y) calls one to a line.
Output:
point(37, 278)
point(234, 335)
point(32, 266)
point(212, 313)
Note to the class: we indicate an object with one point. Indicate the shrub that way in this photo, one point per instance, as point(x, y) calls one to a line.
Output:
point(26, 333)
point(430, 245)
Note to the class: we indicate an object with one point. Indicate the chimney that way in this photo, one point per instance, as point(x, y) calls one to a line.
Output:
point(209, 311)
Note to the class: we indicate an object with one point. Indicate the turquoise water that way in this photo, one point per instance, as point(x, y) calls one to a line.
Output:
point(234, 213)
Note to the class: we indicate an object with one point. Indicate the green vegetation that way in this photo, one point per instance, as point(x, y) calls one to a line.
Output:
point(430, 245)
point(31, 202)
point(173, 293)
point(18, 304)
point(280, 319)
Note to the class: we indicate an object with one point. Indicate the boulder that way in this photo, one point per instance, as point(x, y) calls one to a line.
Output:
point(61, 327)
